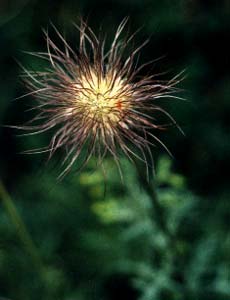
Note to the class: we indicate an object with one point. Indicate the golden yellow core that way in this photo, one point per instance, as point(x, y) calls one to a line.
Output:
point(103, 98)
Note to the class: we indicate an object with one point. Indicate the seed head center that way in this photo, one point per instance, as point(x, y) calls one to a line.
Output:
point(102, 98)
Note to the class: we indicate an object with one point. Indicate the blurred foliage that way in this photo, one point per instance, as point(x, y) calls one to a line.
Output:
point(99, 237)
point(98, 244)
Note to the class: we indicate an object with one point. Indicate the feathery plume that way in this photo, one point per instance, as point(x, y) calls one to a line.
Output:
point(94, 100)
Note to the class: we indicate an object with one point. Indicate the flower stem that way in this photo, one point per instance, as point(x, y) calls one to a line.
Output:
point(21, 229)
point(158, 213)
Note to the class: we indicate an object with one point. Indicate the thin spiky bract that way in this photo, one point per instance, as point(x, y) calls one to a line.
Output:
point(94, 99)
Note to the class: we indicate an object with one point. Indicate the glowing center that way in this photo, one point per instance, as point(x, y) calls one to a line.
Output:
point(103, 98)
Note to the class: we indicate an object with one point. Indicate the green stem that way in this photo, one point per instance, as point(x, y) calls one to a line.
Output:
point(158, 212)
point(20, 226)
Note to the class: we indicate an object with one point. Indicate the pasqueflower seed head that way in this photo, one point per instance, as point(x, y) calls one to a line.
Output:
point(94, 100)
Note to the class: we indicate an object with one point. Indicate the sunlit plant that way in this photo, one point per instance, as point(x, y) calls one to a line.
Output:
point(95, 101)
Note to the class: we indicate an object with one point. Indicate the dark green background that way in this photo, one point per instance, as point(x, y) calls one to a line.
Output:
point(96, 246)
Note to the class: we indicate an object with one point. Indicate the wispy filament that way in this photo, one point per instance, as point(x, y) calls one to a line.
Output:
point(94, 99)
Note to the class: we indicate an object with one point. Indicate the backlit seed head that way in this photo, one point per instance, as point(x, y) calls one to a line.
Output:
point(94, 100)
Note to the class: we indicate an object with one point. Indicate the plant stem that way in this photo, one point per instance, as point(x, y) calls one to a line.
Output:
point(158, 212)
point(20, 226)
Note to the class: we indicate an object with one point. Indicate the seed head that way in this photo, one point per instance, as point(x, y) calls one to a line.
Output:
point(94, 100)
